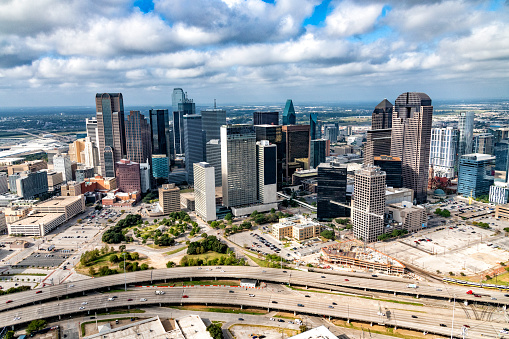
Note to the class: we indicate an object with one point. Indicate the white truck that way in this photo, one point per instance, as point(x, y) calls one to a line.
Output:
point(412, 286)
point(159, 292)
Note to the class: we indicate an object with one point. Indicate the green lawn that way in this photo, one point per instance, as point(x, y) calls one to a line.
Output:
point(176, 250)
point(220, 310)
point(206, 256)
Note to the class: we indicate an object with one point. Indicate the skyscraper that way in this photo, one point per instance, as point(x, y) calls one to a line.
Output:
point(314, 132)
point(265, 118)
point(111, 130)
point(392, 168)
point(411, 136)
point(139, 145)
point(128, 176)
point(466, 133)
point(91, 155)
point(160, 131)
point(317, 150)
point(289, 117)
point(296, 143)
point(382, 115)
point(274, 134)
point(331, 187)
point(378, 142)
point(193, 143)
point(177, 97)
point(213, 156)
point(266, 166)
point(443, 149)
point(476, 174)
point(368, 203)
point(91, 125)
point(205, 191)
point(185, 107)
point(483, 143)
point(160, 166)
point(62, 164)
point(212, 120)
point(169, 198)
point(238, 165)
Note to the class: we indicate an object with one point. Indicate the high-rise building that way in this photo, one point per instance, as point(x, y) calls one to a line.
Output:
point(266, 167)
point(368, 203)
point(265, 118)
point(213, 157)
point(289, 116)
point(501, 152)
point(411, 136)
point(62, 164)
point(160, 131)
point(4, 188)
point(392, 168)
point(212, 120)
point(76, 149)
point(378, 143)
point(238, 165)
point(466, 133)
point(443, 150)
point(382, 115)
point(111, 131)
point(160, 166)
point(193, 143)
point(274, 134)
point(205, 191)
point(128, 176)
point(331, 187)
point(483, 143)
point(138, 140)
point(317, 152)
point(145, 177)
point(296, 143)
point(476, 174)
point(83, 173)
point(169, 198)
point(186, 107)
point(91, 155)
point(177, 97)
point(92, 132)
point(330, 132)
point(314, 131)
point(31, 184)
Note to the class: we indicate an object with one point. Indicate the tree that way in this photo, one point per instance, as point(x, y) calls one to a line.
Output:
point(215, 331)
point(121, 248)
point(98, 207)
point(9, 335)
point(204, 235)
point(228, 217)
point(303, 328)
point(91, 271)
point(135, 256)
point(170, 264)
point(143, 267)
point(328, 234)
point(114, 258)
point(36, 325)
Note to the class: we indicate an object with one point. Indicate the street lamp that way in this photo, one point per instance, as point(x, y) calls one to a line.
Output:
point(125, 276)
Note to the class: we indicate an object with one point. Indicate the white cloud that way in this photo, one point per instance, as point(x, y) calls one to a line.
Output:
point(348, 19)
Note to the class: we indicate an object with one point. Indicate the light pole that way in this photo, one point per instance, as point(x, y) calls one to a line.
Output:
point(125, 276)
point(453, 308)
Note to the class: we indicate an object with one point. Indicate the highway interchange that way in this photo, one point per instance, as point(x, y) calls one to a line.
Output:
point(26, 306)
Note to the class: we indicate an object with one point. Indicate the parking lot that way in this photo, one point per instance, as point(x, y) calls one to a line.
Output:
point(44, 259)
point(75, 236)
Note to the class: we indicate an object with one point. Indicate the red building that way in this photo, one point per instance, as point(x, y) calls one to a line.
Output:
point(128, 176)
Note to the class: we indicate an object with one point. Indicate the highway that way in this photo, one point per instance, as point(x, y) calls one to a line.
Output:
point(240, 296)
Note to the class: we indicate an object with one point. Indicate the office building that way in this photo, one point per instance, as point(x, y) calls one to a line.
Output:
point(178, 96)
point(160, 131)
point(238, 165)
point(185, 107)
point(160, 166)
point(499, 133)
point(274, 134)
point(4, 187)
point(296, 227)
point(205, 191)
point(32, 166)
point(62, 164)
point(31, 184)
point(70, 206)
point(213, 157)
point(314, 130)
point(92, 132)
point(145, 177)
point(138, 139)
point(330, 132)
point(265, 118)
point(169, 198)
point(405, 216)
point(91, 155)
point(476, 174)
point(317, 152)
point(378, 142)
point(296, 143)
point(466, 133)
point(483, 143)
point(381, 117)
point(289, 116)
point(71, 189)
point(411, 136)
point(36, 225)
point(83, 173)
point(55, 179)
point(368, 203)
point(76, 149)
point(110, 130)
point(193, 144)
point(397, 195)
point(501, 152)
point(499, 193)
point(128, 176)
point(212, 120)
point(443, 150)
point(3, 223)
point(266, 167)
point(392, 168)
point(331, 187)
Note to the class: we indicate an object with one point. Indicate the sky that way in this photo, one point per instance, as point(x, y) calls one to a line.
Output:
point(60, 53)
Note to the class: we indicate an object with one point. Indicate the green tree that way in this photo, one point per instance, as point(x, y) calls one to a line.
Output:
point(303, 328)
point(143, 267)
point(215, 331)
point(328, 234)
point(36, 325)
point(122, 248)
point(228, 217)
point(91, 271)
point(170, 264)
point(9, 335)
point(98, 207)
point(114, 258)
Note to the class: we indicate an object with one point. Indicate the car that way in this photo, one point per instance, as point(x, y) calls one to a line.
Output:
point(241, 319)
point(414, 316)
point(185, 296)
point(439, 289)
point(477, 295)
point(281, 320)
point(300, 305)
point(111, 299)
point(230, 291)
point(38, 292)
point(506, 295)
point(82, 307)
point(8, 301)
point(274, 302)
point(251, 295)
point(199, 268)
point(143, 299)
point(84, 303)
point(330, 306)
point(493, 298)
point(374, 275)
point(284, 271)
point(116, 321)
point(504, 332)
point(322, 276)
point(307, 296)
point(443, 325)
point(71, 285)
point(347, 280)
point(333, 303)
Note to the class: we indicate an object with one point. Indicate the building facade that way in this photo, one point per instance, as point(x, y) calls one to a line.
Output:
point(138, 140)
point(443, 150)
point(411, 136)
point(128, 176)
point(406, 216)
point(212, 120)
point(499, 193)
point(392, 168)
point(331, 181)
point(314, 129)
point(378, 142)
point(169, 198)
point(476, 174)
point(296, 143)
point(368, 203)
point(289, 116)
point(160, 166)
point(483, 143)
point(62, 164)
point(205, 191)
point(466, 133)
point(265, 118)
point(381, 118)
point(194, 146)
point(317, 152)
point(160, 131)
point(266, 167)
point(213, 157)
point(31, 184)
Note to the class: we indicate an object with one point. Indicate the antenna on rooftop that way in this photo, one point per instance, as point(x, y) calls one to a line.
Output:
point(214, 103)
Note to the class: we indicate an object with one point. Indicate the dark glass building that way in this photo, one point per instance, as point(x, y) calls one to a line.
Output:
point(314, 131)
point(160, 131)
point(274, 135)
point(185, 107)
point(265, 118)
point(212, 120)
point(392, 168)
point(382, 115)
point(476, 174)
point(331, 187)
point(317, 152)
point(296, 144)
point(138, 141)
point(289, 117)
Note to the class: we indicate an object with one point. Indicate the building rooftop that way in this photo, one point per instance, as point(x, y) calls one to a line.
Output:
point(478, 156)
point(355, 249)
point(38, 218)
point(144, 329)
point(316, 333)
point(59, 201)
point(193, 327)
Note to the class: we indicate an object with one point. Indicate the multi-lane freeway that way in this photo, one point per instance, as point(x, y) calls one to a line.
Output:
point(25, 306)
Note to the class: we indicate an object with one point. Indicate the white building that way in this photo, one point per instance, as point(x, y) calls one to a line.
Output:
point(316, 333)
point(62, 164)
point(91, 154)
point(443, 149)
point(145, 176)
point(205, 191)
point(266, 171)
point(37, 224)
point(499, 193)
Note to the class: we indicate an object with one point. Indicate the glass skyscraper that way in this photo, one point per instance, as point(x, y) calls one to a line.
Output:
point(476, 174)
point(314, 132)
point(193, 143)
point(331, 187)
point(212, 120)
point(317, 150)
point(289, 117)
point(466, 133)
point(160, 131)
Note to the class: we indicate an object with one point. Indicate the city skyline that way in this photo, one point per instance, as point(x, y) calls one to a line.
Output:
point(251, 51)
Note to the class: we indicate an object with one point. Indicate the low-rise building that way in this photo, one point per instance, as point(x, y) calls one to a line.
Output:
point(15, 213)
point(398, 195)
point(71, 189)
point(405, 216)
point(55, 179)
point(169, 198)
point(297, 227)
point(499, 193)
point(37, 224)
point(502, 212)
point(69, 206)
point(187, 201)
